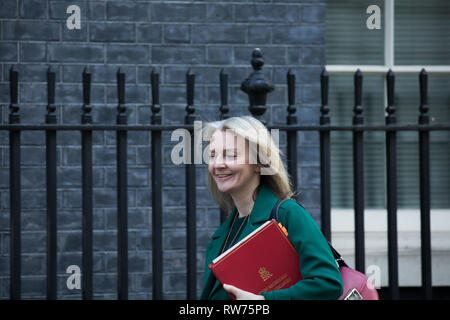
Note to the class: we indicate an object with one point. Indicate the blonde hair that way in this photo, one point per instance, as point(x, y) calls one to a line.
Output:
point(259, 139)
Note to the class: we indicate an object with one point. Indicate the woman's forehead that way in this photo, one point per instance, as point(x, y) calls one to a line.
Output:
point(227, 139)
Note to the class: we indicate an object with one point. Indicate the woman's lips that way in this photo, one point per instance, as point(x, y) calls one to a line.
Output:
point(223, 177)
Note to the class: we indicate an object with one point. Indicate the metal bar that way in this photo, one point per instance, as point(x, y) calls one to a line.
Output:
point(325, 180)
point(391, 166)
point(14, 188)
point(292, 135)
point(122, 190)
point(358, 176)
point(51, 165)
point(157, 226)
point(424, 163)
point(223, 115)
point(380, 69)
point(114, 127)
point(86, 166)
point(389, 43)
point(191, 232)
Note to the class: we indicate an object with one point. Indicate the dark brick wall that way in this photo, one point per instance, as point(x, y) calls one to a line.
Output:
point(136, 36)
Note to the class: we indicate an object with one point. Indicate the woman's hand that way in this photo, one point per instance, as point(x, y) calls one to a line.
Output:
point(241, 294)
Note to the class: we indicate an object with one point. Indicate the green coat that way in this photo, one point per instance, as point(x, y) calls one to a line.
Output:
point(320, 273)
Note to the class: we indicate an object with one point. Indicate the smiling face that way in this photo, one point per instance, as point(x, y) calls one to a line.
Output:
point(229, 164)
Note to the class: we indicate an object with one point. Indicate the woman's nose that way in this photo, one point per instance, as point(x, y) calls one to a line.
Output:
point(218, 162)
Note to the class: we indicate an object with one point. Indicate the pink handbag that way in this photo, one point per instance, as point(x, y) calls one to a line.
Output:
point(356, 284)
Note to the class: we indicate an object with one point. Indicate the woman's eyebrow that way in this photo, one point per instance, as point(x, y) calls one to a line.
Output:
point(235, 149)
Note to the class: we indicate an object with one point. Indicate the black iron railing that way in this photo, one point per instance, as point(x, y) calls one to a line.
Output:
point(255, 86)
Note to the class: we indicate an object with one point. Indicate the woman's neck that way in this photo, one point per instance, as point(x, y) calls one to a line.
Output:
point(244, 201)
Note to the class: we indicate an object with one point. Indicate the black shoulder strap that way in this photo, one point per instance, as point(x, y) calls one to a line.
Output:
point(336, 255)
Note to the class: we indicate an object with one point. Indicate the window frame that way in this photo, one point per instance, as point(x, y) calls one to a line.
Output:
point(342, 229)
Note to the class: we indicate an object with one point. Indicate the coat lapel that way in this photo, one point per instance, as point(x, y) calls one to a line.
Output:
point(265, 201)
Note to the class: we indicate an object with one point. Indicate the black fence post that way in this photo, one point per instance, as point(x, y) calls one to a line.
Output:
point(325, 181)
point(223, 115)
point(157, 225)
point(256, 86)
point(14, 187)
point(122, 191)
point(191, 232)
point(86, 166)
point(358, 175)
point(291, 135)
point(391, 166)
point(50, 118)
point(424, 164)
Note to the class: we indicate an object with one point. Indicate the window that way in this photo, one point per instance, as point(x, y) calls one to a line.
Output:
point(414, 34)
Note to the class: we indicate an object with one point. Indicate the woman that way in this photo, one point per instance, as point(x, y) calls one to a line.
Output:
point(246, 178)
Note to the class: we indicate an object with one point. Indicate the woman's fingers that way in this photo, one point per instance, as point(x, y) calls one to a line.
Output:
point(233, 290)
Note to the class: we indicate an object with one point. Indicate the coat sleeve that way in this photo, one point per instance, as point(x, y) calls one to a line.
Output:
point(321, 278)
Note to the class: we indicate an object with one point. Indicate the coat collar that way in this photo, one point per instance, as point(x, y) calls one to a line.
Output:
point(262, 208)
point(265, 201)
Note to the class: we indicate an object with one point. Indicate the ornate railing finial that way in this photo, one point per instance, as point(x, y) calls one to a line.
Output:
point(256, 86)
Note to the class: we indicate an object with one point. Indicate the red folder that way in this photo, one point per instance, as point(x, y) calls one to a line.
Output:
point(265, 260)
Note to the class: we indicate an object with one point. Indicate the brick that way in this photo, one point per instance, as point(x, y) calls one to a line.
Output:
point(33, 286)
point(174, 197)
point(8, 52)
point(310, 176)
point(127, 11)
point(311, 94)
point(112, 32)
point(306, 35)
point(99, 74)
point(75, 53)
point(178, 12)
point(272, 55)
point(314, 13)
point(177, 33)
point(219, 12)
point(294, 55)
point(219, 55)
point(133, 94)
point(140, 240)
point(143, 197)
point(33, 264)
point(174, 239)
point(33, 178)
point(97, 10)
point(175, 282)
point(75, 34)
point(308, 155)
point(138, 218)
point(105, 283)
point(33, 9)
point(217, 33)
point(260, 34)
point(105, 240)
point(266, 13)
point(8, 9)
point(310, 197)
point(131, 54)
point(313, 55)
point(32, 52)
point(303, 75)
point(58, 11)
point(178, 55)
point(34, 73)
point(31, 30)
point(149, 33)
